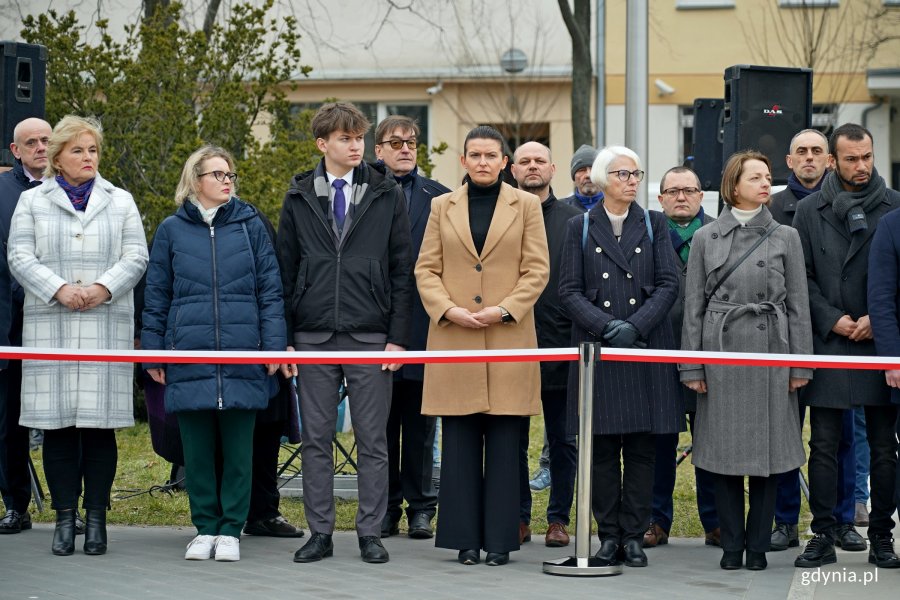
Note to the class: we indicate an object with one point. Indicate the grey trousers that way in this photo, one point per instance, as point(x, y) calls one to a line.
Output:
point(369, 390)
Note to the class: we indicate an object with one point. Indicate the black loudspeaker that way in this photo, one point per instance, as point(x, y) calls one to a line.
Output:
point(764, 108)
point(707, 142)
point(23, 84)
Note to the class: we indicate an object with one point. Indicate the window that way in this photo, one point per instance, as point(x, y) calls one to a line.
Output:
point(701, 4)
point(807, 3)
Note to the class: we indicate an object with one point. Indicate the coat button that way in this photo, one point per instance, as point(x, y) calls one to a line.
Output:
point(478, 268)
point(629, 276)
point(725, 328)
point(761, 326)
point(606, 304)
point(598, 249)
point(760, 295)
point(606, 276)
point(715, 236)
point(631, 301)
point(78, 236)
point(637, 250)
point(477, 299)
point(78, 282)
point(843, 278)
point(761, 263)
point(725, 297)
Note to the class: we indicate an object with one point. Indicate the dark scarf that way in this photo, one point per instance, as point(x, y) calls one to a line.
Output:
point(78, 194)
point(842, 201)
point(589, 202)
point(682, 236)
point(406, 183)
point(801, 192)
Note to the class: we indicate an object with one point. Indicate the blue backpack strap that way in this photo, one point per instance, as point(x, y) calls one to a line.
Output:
point(584, 229)
point(649, 226)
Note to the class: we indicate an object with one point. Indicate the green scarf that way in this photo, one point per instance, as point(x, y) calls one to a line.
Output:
point(681, 236)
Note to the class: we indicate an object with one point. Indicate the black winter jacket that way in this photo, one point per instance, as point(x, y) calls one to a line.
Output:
point(361, 283)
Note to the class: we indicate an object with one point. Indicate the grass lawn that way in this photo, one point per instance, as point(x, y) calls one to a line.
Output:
point(140, 469)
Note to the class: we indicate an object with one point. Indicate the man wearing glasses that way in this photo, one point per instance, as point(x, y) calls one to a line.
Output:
point(680, 198)
point(409, 464)
point(29, 146)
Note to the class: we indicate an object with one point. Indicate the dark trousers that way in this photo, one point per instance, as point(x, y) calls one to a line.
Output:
point(787, 500)
point(826, 426)
point(264, 495)
point(409, 463)
point(622, 484)
point(563, 451)
point(219, 501)
point(664, 485)
point(479, 491)
point(15, 479)
point(737, 534)
point(72, 453)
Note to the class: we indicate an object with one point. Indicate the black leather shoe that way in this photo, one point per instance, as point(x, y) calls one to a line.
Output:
point(420, 526)
point(756, 561)
point(64, 534)
point(371, 550)
point(495, 559)
point(609, 550)
point(819, 551)
point(847, 538)
point(318, 547)
point(15, 522)
point(469, 557)
point(731, 560)
point(633, 553)
point(277, 526)
point(94, 532)
point(389, 526)
point(784, 536)
point(882, 552)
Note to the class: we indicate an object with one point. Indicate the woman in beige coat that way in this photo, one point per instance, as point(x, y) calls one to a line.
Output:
point(482, 266)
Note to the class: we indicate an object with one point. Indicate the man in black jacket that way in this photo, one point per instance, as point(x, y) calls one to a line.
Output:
point(29, 146)
point(533, 169)
point(346, 263)
point(409, 464)
point(586, 193)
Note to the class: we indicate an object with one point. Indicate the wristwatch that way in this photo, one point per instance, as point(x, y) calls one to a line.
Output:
point(505, 317)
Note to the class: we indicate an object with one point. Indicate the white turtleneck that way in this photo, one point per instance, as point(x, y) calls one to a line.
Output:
point(744, 216)
point(207, 214)
point(616, 221)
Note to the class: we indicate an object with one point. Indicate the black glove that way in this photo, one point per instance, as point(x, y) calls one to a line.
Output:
point(620, 334)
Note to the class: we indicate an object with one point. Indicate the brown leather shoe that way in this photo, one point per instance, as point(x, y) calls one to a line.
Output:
point(655, 536)
point(557, 536)
point(714, 537)
point(524, 533)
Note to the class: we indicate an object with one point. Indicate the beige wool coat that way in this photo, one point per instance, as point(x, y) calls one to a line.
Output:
point(511, 271)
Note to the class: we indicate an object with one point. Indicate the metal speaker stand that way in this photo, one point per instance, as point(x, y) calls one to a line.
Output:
point(583, 564)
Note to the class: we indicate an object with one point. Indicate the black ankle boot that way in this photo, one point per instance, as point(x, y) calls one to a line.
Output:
point(64, 534)
point(94, 532)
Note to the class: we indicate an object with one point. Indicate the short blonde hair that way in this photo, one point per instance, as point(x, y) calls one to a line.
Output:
point(70, 128)
point(733, 170)
point(190, 175)
point(605, 157)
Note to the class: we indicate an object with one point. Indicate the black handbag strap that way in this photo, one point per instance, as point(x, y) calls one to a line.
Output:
point(746, 255)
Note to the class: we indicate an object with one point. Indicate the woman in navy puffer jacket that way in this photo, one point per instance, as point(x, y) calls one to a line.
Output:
point(213, 284)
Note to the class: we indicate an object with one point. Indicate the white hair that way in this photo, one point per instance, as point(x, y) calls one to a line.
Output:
point(605, 157)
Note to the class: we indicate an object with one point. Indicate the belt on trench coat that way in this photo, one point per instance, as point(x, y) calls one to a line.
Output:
point(733, 311)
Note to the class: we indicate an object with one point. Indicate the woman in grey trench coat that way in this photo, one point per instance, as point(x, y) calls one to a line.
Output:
point(77, 246)
point(747, 417)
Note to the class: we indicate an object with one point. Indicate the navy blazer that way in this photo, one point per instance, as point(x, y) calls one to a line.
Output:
point(632, 279)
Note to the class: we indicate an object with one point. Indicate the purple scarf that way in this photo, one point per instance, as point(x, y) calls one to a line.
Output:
point(78, 194)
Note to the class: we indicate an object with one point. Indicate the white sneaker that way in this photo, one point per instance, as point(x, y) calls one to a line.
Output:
point(201, 547)
point(228, 549)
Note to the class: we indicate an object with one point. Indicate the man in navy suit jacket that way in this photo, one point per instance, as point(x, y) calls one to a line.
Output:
point(409, 469)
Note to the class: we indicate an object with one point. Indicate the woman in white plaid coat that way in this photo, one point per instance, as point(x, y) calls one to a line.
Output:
point(77, 247)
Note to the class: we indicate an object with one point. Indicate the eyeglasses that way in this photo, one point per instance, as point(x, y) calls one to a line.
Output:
point(32, 143)
point(689, 192)
point(397, 144)
point(221, 176)
point(624, 174)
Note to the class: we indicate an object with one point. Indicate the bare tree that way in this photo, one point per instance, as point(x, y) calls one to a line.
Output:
point(578, 22)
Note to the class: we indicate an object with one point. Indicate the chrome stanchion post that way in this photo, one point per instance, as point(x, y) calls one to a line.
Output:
point(583, 564)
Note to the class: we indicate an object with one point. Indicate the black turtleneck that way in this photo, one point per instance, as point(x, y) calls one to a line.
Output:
point(482, 201)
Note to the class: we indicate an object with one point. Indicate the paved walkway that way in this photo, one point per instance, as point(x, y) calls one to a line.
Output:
point(147, 563)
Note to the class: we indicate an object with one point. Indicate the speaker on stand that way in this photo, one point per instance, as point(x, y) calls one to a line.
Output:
point(707, 142)
point(23, 73)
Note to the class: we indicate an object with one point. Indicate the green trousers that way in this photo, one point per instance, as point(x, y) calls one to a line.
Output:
point(218, 455)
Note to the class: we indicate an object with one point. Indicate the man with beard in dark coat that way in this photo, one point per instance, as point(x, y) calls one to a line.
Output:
point(29, 146)
point(533, 169)
point(409, 463)
point(836, 225)
point(587, 193)
point(681, 199)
